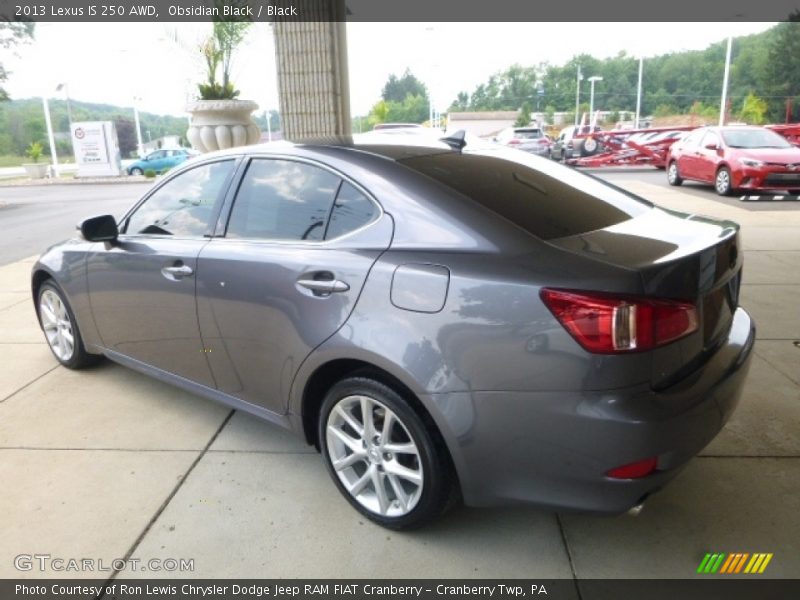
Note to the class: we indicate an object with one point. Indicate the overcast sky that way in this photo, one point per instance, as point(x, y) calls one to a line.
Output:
point(112, 63)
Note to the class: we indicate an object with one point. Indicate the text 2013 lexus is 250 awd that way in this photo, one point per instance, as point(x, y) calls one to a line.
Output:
point(441, 322)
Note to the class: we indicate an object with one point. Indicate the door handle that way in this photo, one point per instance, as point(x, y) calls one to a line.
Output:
point(176, 272)
point(323, 286)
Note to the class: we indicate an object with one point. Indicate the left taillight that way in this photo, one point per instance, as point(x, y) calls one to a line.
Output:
point(609, 324)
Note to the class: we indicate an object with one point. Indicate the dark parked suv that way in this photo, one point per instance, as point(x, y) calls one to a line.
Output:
point(439, 322)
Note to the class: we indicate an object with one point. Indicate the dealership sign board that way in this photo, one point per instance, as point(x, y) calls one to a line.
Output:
point(96, 149)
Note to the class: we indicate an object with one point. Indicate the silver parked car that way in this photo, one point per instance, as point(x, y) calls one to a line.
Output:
point(527, 139)
point(439, 322)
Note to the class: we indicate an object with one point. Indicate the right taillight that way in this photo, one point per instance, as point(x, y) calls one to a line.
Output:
point(608, 324)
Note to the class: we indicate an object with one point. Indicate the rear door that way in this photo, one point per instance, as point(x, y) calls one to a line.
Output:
point(296, 249)
point(142, 288)
point(690, 156)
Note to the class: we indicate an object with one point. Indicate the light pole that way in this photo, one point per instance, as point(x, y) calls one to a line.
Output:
point(639, 94)
point(578, 95)
point(139, 147)
point(50, 137)
point(63, 86)
point(592, 80)
point(723, 102)
point(432, 51)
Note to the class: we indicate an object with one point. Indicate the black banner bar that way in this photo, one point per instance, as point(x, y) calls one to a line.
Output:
point(731, 588)
point(150, 11)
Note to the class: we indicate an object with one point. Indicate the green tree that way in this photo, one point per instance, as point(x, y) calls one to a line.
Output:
point(764, 63)
point(461, 103)
point(378, 113)
point(126, 135)
point(782, 72)
point(665, 110)
point(524, 117)
point(12, 34)
point(414, 109)
point(397, 89)
point(754, 110)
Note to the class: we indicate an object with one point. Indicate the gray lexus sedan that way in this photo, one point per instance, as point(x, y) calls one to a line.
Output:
point(441, 322)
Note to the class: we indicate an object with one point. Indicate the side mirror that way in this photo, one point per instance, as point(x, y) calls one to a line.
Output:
point(100, 229)
point(711, 146)
point(146, 158)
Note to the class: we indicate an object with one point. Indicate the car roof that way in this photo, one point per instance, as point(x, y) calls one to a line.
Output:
point(390, 147)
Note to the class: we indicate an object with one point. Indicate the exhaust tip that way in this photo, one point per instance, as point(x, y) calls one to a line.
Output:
point(636, 510)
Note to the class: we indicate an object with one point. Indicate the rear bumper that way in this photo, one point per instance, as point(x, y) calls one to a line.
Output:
point(553, 449)
point(538, 150)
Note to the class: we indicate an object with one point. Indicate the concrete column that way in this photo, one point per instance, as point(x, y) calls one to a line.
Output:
point(313, 85)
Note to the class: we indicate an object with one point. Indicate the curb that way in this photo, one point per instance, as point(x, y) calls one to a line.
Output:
point(133, 179)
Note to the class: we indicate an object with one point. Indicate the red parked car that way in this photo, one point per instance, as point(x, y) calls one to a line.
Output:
point(735, 158)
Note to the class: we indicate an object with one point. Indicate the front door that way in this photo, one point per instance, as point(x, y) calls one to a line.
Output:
point(707, 161)
point(286, 275)
point(142, 288)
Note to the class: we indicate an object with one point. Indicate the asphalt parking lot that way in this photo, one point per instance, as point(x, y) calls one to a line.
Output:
point(109, 464)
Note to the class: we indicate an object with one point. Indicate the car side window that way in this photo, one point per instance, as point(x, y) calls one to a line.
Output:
point(282, 200)
point(185, 204)
point(351, 211)
point(710, 138)
point(693, 139)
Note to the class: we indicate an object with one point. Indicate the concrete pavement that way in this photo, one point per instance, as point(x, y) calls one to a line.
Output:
point(107, 464)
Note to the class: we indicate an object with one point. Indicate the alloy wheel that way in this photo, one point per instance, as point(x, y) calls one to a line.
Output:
point(723, 182)
point(374, 456)
point(672, 173)
point(57, 325)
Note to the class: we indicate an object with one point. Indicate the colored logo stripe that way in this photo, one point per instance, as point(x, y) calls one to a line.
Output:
point(734, 562)
point(711, 563)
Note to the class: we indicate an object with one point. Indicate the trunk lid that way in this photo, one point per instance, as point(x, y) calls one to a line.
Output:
point(677, 256)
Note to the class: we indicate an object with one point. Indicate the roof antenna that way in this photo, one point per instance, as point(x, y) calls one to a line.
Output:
point(456, 140)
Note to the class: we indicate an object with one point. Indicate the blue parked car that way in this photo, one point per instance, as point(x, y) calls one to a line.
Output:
point(160, 160)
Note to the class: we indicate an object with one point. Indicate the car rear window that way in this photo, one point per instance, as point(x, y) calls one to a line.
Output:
point(544, 198)
point(528, 134)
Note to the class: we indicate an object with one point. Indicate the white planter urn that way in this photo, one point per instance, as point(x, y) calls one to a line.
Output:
point(221, 124)
point(36, 170)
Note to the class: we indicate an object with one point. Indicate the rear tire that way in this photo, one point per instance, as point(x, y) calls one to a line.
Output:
point(391, 465)
point(673, 176)
point(722, 182)
point(61, 329)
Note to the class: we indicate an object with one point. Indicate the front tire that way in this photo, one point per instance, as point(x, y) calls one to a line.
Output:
point(673, 175)
point(136, 171)
point(60, 328)
point(722, 182)
point(390, 464)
